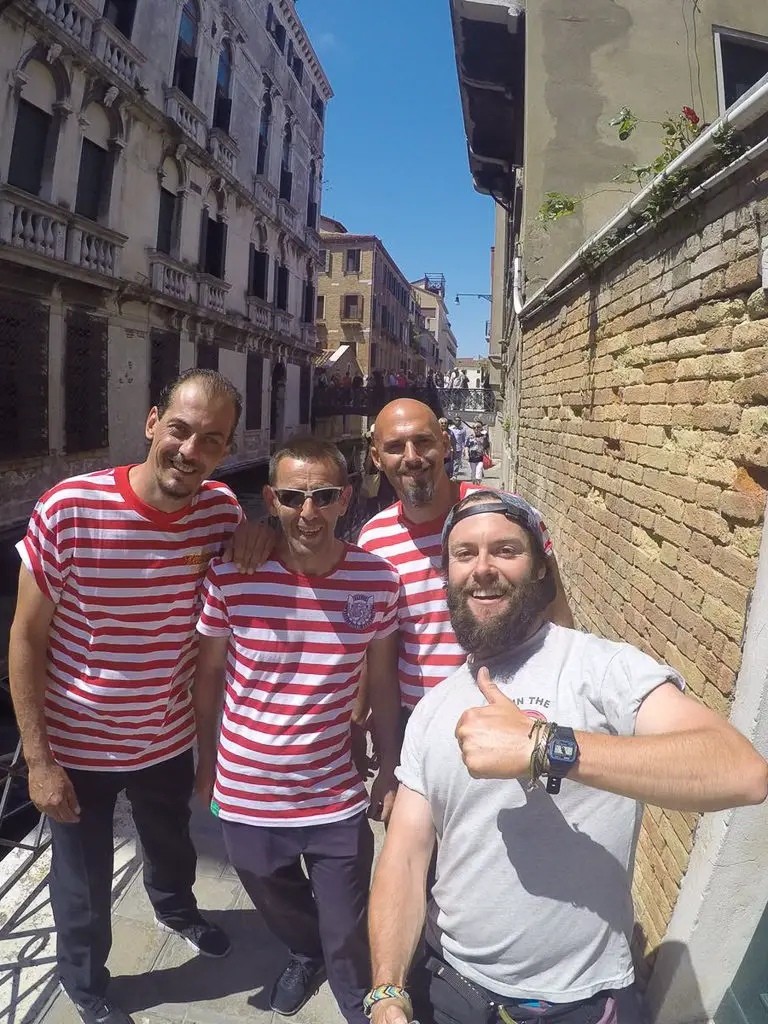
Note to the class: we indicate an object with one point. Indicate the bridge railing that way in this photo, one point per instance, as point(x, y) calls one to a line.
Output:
point(464, 403)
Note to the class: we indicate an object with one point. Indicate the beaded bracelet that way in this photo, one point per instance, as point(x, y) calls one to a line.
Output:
point(386, 992)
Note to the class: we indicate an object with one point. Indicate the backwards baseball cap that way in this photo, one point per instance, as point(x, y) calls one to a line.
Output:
point(511, 506)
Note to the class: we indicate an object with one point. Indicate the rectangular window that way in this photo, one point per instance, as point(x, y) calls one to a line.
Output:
point(164, 349)
point(743, 60)
point(213, 246)
point(374, 356)
point(258, 273)
point(352, 307)
point(281, 290)
point(317, 105)
point(305, 391)
point(207, 356)
point(24, 373)
point(184, 72)
point(320, 314)
point(308, 305)
point(286, 184)
point(261, 156)
point(120, 13)
point(222, 112)
point(254, 382)
point(312, 214)
point(166, 221)
point(30, 138)
point(91, 180)
point(86, 415)
point(352, 261)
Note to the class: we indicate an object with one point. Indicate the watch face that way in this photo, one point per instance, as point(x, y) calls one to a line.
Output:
point(563, 750)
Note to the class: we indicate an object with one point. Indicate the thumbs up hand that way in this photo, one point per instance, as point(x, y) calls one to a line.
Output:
point(494, 739)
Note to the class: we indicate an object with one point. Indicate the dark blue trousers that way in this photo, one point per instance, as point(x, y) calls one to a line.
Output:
point(323, 917)
point(82, 865)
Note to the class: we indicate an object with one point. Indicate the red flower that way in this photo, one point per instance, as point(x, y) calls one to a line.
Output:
point(690, 115)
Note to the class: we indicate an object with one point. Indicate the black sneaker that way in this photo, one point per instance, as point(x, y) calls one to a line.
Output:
point(101, 1013)
point(298, 982)
point(206, 939)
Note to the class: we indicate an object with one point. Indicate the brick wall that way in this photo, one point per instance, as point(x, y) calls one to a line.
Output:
point(642, 434)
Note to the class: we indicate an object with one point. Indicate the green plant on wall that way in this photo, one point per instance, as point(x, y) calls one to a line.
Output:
point(678, 132)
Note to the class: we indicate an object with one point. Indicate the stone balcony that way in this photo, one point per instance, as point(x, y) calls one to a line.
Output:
point(260, 312)
point(287, 215)
point(168, 276)
point(212, 293)
point(309, 337)
point(83, 23)
point(37, 227)
point(265, 194)
point(285, 323)
point(113, 49)
point(188, 117)
point(223, 149)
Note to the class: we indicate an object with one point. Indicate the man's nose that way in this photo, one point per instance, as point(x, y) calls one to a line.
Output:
point(188, 448)
point(410, 453)
point(309, 509)
point(483, 566)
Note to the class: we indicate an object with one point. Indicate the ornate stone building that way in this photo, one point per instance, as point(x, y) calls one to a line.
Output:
point(160, 168)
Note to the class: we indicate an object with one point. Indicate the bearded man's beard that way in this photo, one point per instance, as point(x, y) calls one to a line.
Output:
point(418, 492)
point(506, 630)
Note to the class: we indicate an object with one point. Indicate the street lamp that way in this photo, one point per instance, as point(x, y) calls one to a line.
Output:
point(472, 295)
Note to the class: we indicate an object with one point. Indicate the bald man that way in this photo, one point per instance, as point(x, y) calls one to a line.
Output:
point(409, 447)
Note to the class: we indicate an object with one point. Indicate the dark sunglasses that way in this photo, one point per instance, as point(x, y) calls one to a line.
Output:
point(322, 497)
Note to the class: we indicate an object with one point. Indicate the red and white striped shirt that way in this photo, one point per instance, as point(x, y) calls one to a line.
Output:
point(126, 581)
point(297, 646)
point(429, 651)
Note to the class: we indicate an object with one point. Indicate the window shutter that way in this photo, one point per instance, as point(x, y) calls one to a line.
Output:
point(254, 380)
point(223, 251)
point(252, 270)
point(86, 417)
point(163, 362)
point(91, 179)
point(30, 139)
point(24, 373)
point(305, 390)
point(207, 356)
point(202, 259)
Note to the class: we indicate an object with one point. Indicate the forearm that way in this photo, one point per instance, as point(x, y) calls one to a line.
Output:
point(700, 770)
point(28, 680)
point(384, 695)
point(362, 705)
point(395, 917)
point(206, 699)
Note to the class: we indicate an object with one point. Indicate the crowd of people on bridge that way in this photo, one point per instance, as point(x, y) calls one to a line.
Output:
point(513, 752)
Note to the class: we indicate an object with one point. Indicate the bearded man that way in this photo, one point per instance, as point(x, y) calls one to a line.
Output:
point(531, 914)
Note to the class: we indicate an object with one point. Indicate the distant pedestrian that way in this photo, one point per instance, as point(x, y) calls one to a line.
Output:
point(478, 446)
point(460, 436)
point(448, 460)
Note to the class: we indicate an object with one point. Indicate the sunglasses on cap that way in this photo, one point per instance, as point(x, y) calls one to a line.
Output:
point(321, 497)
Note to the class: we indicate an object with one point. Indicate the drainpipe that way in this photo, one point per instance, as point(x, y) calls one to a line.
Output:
point(742, 114)
point(517, 280)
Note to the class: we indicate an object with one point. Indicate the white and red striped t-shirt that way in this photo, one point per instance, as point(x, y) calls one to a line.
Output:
point(429, 651)
point(297, 646)
point(126, 581)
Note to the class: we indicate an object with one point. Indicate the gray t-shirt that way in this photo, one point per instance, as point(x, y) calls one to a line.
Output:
point(533, 892)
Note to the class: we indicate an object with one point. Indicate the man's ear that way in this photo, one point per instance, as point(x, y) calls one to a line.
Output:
point(345, 497)
point(152, 420)
point(270, 499)
point(375, 457)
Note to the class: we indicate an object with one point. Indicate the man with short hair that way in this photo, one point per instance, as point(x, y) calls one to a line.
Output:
point(459, 436)
point(531, 915)
point(290, 641)
point(410, 448)
point(101, 658)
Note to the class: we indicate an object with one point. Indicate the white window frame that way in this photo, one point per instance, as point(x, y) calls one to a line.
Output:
point(719, 32)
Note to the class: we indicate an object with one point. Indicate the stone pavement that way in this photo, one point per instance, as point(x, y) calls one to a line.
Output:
point(156, 977)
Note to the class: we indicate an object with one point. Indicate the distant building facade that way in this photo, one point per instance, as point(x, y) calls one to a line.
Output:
point(430, 294)
point(364, 300)
point(160, 169)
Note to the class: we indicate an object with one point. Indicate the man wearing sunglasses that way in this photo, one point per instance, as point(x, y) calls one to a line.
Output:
point(290, 641)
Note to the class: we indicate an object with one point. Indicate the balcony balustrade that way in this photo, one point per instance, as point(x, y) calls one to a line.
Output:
point(36, 226)
point(75, 17)
point(466, 404)
point(284, 322)
point(222, 149)
point(259, 312)
point(265, 194)
point(171, 278)
point(181, 109)
point(111, 47)
point(309, 337)
point(287, 215)
point(212, 293)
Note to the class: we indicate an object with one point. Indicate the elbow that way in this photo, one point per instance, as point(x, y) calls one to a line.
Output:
point(755, 780)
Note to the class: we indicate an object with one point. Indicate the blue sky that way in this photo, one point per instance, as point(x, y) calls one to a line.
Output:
point(395, 150)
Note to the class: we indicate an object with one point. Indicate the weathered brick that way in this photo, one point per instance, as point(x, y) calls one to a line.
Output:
point(750, 334)
point(723, 618)
point(744, 508)
point(743, 274)
point(735, 565)
point(706, 522)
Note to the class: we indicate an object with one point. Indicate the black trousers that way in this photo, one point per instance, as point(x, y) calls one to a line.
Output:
point(323, 917)
point(83, 860)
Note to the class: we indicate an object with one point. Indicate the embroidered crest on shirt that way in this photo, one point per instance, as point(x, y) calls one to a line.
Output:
point(358, 611)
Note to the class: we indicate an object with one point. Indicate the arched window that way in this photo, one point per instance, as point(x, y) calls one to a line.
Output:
point(312, 197)
point(264, 126)
point(286, 175)
point(94, 180)
point(222, 104)
point(308, 304)
point(32, 149)
point(258, 264)
point(185, 67)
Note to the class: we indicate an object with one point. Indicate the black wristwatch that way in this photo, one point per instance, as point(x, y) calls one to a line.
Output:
point(562, 755)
